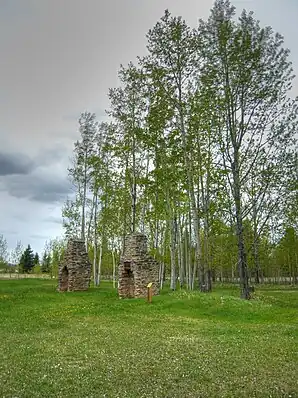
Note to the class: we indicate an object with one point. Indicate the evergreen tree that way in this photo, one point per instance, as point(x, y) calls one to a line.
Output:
point(46, 263)
point(27, 260)
point(36, 259)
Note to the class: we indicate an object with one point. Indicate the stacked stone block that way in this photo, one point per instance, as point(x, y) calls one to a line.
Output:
point(75, 269)
point(137, 268)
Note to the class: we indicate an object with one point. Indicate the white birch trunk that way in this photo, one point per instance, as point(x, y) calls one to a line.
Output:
point(99, 265)
point(95, 238)
point(114, 268)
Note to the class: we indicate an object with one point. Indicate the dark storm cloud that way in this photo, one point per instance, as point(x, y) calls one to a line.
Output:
point(52, 192)
point(40, 188)
point(15, 163)
point(20, 163)
point(42, 178)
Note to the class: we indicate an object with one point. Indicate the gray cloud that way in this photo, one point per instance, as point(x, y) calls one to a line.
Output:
point(39, 188)
point(41, 178)
point(39, 237)
point(15, 163)
point(58, 153)
point(53, 219)
point(9, 232)
point(13, 8)
point(18, 216)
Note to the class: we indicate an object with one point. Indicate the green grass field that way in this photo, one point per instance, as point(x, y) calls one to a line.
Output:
point(185, 344)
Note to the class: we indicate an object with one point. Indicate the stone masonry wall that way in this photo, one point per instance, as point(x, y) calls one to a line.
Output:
point(137, 268)
point(75, 269)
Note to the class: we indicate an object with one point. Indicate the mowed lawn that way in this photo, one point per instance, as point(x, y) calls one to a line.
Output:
point(184, 344)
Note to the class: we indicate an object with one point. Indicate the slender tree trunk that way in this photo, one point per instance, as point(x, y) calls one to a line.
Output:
point(161, 262)
point(204, 197)
point(256, 260)
point(156, 236)
point(145, 205)
point(161, 272)
point(95, 240)
point(125, 207)
point(186, 256)
point(173, 253)
point(198, 252)
point(156, 224)
point(133, 188)
point(92, 214)
point(94, 262)
point(208, 286)
point(242, 260)
point(180, 255)
point(190, 271)
point(195, 216)
point(83, 223)
point(99, 265)
point(256, 243)
point(114, 268)
point(194, 271)
point(172, 232)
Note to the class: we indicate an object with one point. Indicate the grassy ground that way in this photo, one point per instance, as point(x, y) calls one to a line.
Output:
point(185, 344)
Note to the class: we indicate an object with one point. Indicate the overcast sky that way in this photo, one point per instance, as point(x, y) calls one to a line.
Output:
point(58, 58)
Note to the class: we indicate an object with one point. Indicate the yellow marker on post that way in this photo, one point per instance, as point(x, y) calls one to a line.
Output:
point(149, 292)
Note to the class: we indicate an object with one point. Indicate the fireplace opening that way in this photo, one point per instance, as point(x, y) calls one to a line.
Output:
point(64, 279)
point(129, 278)
point(127, 269)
